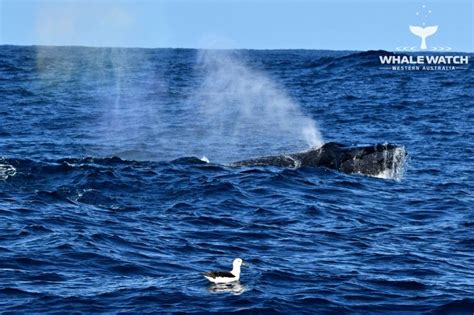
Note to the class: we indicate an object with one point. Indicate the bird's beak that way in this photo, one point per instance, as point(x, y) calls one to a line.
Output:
point(244, 264)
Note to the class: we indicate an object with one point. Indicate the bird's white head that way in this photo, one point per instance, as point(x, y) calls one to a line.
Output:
point(238, 262)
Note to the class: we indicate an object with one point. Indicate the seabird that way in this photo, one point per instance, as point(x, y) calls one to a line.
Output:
point(219, 277)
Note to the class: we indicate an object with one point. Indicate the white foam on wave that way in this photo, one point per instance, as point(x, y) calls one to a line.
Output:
point(6, 171)
point(205, 159)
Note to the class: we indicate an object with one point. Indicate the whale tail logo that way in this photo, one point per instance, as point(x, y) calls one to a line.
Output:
point(423, 32)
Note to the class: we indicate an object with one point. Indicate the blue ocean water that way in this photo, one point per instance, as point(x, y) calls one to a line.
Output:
point(103, 208)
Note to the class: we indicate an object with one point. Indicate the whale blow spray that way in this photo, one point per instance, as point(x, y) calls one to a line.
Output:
point(245, 113)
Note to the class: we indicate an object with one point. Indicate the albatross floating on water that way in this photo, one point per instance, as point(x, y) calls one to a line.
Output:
point(219, 277)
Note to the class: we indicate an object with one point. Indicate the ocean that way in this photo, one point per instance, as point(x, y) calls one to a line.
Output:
point(116, 191)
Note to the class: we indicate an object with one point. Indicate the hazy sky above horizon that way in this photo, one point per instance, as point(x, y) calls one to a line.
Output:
point(258, 24)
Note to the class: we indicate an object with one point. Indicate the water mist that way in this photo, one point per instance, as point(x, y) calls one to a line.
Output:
point(244, 113)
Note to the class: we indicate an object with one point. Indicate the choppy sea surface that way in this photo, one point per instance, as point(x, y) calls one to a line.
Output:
point(103, 209)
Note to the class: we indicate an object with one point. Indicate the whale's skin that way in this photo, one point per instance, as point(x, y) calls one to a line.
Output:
point(368, 160)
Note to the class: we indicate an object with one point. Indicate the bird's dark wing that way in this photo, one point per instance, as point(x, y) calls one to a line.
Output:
point(215, 274)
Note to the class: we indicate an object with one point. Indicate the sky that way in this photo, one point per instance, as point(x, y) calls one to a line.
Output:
point(252, 24)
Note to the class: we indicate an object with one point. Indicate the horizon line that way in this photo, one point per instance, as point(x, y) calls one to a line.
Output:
point(202, 48)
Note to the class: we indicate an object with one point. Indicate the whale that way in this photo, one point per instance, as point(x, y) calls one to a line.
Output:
point(372, 160)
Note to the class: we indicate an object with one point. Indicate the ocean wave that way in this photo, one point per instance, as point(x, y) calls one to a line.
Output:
point(105, 207)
